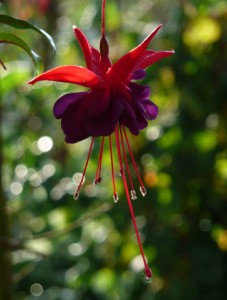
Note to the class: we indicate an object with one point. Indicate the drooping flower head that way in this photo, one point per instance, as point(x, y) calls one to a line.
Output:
point(112, 103)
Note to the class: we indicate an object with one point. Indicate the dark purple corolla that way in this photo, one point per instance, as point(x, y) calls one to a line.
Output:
point(112, 103)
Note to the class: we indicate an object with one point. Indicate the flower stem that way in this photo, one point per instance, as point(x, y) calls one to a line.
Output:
point(103, 18)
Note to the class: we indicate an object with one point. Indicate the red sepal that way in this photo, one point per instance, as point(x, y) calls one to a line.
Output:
point(85, 46)
point(70, 74)
point(120, 71)
point(149, 57)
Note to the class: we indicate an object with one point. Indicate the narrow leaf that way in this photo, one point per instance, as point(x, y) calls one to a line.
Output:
point(2, 64)
point(21, 24)
point(15, 40)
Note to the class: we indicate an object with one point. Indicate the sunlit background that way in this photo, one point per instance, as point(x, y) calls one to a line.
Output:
point(182, 157)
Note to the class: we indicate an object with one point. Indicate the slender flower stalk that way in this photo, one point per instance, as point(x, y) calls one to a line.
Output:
point(112, 103)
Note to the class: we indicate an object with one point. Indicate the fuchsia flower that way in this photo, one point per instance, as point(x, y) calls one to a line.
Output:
point(113, 103)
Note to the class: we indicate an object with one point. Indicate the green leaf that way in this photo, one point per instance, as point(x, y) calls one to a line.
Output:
point(21, 24)
point(15, 40)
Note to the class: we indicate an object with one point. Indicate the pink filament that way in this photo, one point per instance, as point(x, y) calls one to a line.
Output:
point(126, 161)
point(85, 168)
point(112, 167)
point(98, 171)
point(132, 158)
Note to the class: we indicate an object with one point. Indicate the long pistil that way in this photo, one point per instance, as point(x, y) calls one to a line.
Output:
point(147, 270)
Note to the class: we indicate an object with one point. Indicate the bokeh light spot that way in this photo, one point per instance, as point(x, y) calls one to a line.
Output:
point(45, 144)
point(48, 170)
point(21, 171)
point(76, 249)
point(201, 32)
point(36, 289)
point(77, 178)
point(16, 188)
point(205, 225)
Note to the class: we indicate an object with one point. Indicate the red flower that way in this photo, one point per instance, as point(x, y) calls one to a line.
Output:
point(112, 103)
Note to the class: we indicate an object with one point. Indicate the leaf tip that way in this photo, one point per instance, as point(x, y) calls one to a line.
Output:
point(3, 65)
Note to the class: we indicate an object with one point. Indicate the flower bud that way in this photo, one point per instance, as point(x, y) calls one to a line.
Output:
point(104, 47)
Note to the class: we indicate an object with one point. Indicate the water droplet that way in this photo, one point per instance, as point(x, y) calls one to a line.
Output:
point(143, 191)
point(76, 196)
point(133, 194)
point(77, 178)
point(115, 197)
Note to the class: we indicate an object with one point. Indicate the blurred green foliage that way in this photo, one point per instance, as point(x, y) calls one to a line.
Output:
point(182, 156)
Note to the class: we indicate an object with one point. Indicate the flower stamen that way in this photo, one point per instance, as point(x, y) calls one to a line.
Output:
point(119, 150)
point(76, 195)
point(132, 192)
point(142, 187)
point(115, 194)
point(99, 167)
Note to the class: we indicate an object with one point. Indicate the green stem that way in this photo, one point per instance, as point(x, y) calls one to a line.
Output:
point(5, 255)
